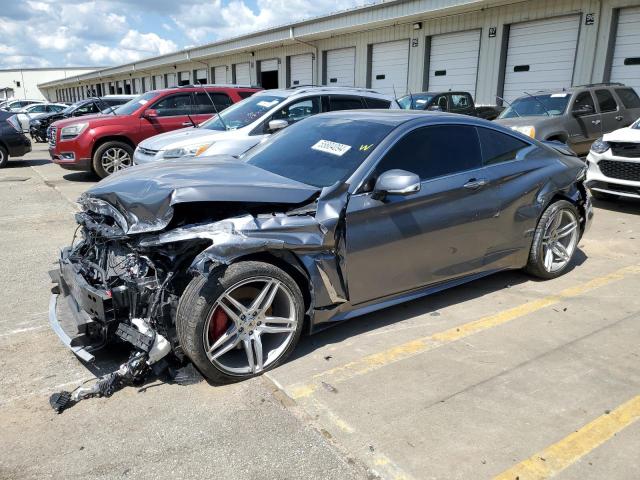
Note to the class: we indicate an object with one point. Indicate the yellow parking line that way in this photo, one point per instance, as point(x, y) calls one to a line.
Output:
point(557, 457)
point(424, 344)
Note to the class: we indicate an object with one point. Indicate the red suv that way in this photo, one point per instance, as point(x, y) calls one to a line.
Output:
point(105, 143)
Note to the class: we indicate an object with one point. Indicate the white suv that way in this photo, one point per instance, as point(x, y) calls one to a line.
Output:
point(246, 123)
point(614, 164)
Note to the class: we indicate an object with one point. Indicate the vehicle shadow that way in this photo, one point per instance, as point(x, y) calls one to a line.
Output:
point(423, 306)
point(23, 162)
point(620, 205)
point(81, 177)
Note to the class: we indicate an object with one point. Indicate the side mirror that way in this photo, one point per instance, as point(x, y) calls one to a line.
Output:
point(396, 182)
point(275, 125)
point(583, 110)
point(150, 113)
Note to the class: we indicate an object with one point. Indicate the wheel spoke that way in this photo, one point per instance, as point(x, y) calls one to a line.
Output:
point(265, 298)
point(567, 229)
point(249, 352)
point(223, 345)
point(548, 259)
point(232, 307)
point(282, 325)
point(257, 347)
point(559, 250)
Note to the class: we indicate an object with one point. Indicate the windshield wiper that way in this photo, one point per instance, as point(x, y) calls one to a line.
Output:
point(224, 125)
point(540, 102)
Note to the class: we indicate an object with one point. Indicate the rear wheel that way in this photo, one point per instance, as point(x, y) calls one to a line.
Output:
point(242, 323)
point(112, 157)
point(4, 157)
point(555, 240)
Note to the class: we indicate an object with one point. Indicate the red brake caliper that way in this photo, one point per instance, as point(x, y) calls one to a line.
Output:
point(218, 325)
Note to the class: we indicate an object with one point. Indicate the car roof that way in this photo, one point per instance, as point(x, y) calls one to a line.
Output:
point(327, 90)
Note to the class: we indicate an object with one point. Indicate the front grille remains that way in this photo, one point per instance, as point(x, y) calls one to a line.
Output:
point(51, 133)
point(620, 170)
point(624, 149)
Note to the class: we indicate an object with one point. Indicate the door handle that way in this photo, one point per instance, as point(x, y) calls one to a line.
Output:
point(619, 118)
point(595, 122)
point(475, 183)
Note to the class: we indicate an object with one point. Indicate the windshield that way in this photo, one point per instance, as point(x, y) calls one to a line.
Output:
point(73, 107)
point(415, 101)
point(537, 105)
point(319, 151)
point(242, 113)
point(132, 105)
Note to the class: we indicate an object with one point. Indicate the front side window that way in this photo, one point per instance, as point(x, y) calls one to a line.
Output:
point(498, 147)
point(628, 97)
point(134, 104)
point(415, 101)
point(296, 111)
point(550, 105)
point(320, 151)
point(441, 102)
point(432, 152)
point(38, 108)
point(204, 102)
point(174, 105)
point(460, 101)
point(86, 109)
point(583, 100)
point(343, 102)
point(606, 101)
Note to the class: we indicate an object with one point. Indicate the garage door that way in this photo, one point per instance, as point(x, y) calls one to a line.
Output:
point(389, 67)
point(625, 67)
point(220, 74)
point(540, 55)
point(243, 74)
point(172, 80)
point(158, 82)
point(301, 69)
point(341, 67)
point(269, 65)
point(453, 61)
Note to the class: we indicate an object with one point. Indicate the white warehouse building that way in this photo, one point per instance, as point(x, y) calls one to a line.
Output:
point(487, 47)
point(22, 83)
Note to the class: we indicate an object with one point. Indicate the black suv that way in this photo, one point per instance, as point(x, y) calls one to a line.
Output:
point(12, 141)
point(38, 126)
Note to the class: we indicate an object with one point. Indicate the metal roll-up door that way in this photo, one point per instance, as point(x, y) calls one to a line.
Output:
point(301, 69)
point(625, 65)
point(220, 74)
point(269, 65)
point(200, 75)
point(341, 67)
point(390, 67)
point(158, 82)
point(453, 61)
point(243, 74)
point(172, 80)
point(540, 55)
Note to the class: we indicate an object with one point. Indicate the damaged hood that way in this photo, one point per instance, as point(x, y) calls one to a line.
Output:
point(178, 138)
point(144, 196)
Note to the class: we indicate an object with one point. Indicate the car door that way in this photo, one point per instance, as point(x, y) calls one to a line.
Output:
point(171, 112)
point(583, 128)
point(404, 242)
point(612, 118)
point(207, 104)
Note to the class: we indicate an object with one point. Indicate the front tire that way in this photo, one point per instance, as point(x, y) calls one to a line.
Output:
point(112, 157)
point(4, 157)
point(555, 241)
point(240, 322)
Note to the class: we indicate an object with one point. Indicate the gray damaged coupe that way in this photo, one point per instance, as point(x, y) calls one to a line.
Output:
point(226, 261)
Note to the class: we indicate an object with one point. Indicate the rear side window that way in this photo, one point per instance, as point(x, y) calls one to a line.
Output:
point(432, 152)
point(377, 103)
point(606, 101)
point(628, 97)
point(244, 95)
point(203, 103)
point(583, 99)
point(341, 102)
point(498, 147)
point(460, 101)
point(174, 105)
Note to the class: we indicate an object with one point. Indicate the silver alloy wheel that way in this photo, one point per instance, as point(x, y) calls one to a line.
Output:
point(114, 159)
point(260, 325)
point(559, 240)
point(1, 155)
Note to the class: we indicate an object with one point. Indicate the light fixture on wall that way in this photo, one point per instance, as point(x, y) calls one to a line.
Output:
point(417, 26)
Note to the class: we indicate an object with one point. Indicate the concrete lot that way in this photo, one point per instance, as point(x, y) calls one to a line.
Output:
point(506, 377)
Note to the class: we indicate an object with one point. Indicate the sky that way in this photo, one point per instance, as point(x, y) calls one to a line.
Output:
point(59, 33)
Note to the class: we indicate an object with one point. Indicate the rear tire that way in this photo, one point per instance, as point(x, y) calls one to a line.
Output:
point(205, 340)
point(555, 241)
point(4, 157)
point(111, 157)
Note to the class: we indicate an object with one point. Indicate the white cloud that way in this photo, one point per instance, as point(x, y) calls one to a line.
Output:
point(147, 43)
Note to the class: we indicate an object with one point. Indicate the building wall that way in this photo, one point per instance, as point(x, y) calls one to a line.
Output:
point(360, 29)
point(29, 79)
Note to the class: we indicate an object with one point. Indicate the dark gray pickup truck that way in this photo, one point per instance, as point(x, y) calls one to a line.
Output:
point(576, 116)
point(454, 102)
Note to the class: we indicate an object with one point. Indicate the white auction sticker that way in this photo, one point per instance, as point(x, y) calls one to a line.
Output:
point(421, 101)
point(334, 148)
point(559, 95)
point(265, 104)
